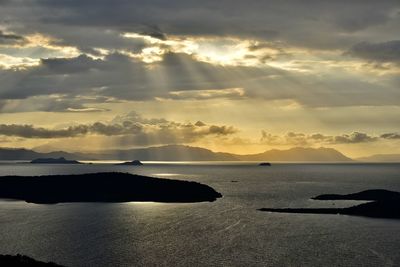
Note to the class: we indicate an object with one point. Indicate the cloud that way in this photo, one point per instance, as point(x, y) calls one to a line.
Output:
point(10, 38)
point(132, 127)
point(188, 50)
point(302, 139)
point(29, 131)
point(155, 32)
point(221, 130)
point(313, 23)
point(122, 77)
point(229, 93)
point(52, 103)
point(181, 77)
point(381, 52)
point(390, 136)
point(353, 138)
point(79, 64)
point(200, 123)
point(351, 22)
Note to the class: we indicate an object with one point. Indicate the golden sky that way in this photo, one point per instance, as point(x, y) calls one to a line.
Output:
point(225, 75)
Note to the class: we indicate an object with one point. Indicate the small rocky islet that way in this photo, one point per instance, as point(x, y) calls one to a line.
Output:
point(131, 163)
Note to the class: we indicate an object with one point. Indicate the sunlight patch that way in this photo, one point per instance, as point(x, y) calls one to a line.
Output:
point(223, 51)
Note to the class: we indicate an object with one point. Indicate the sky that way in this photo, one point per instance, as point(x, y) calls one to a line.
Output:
point(232, 76)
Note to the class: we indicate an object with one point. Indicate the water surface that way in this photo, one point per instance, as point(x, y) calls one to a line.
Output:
point(228, 232)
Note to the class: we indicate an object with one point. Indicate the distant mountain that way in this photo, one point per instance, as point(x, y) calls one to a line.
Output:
point(26, 154)
point(298, 154)
point(165, 153)
point(183, 153)
point(381, 158)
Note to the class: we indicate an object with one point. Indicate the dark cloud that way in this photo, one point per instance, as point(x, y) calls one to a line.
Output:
point(382, 52)
point(131, 127)
point(351, 22)
point(51, 104)
point(5, 36)
point(92, 26)
point(221, 130)
point(227, 93)
point(29, 131)
point(88, 39)
point(390, 136)
point(312, 23)
point(353, 138)
point(10, 38)
point(200, 123)
point(80, 64)
point(155, 32)
point(117, 76)
point(120, 77)
point(303, 139)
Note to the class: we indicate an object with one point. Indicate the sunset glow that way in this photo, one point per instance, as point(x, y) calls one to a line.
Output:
point(330, 81)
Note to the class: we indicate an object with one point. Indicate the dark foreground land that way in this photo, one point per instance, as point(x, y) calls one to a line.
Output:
point(385, 204)
point(23, 261)
point(102, 187)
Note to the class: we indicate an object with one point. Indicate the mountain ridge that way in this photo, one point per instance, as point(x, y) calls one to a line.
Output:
point(183, 153)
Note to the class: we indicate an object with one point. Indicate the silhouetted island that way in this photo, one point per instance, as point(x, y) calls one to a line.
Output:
point(60, 160)
point(385, 204)
point(264, 164)
point(102, 187)
point(373, 194)
point(23, 261)
point(133, 163)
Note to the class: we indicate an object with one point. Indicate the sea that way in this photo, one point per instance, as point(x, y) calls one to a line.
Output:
point(230, 231)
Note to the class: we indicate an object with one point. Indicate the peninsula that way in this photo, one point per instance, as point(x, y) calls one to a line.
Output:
point(384, 204)
point(102, 187)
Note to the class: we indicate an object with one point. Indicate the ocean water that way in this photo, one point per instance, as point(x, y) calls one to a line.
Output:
point(227, 232)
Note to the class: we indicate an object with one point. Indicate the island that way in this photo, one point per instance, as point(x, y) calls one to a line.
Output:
point(103, 187)
point(132, 163)
point(24, 261)
point(384, 204)
point(264, 164)
point(60, 160)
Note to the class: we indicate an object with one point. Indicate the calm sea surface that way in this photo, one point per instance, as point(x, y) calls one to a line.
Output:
point(227, 232)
